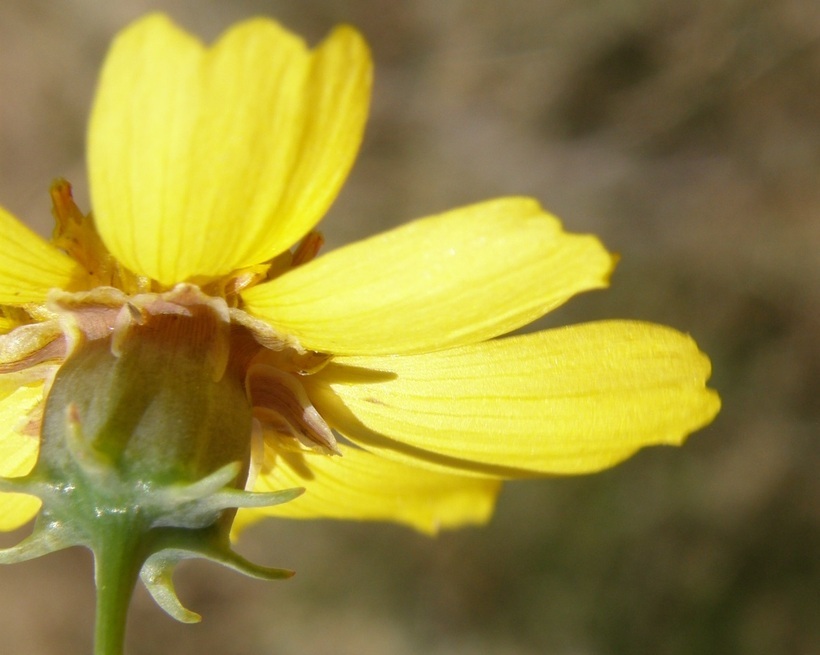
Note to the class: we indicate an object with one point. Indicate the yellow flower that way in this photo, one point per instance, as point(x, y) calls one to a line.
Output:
point(206, 165)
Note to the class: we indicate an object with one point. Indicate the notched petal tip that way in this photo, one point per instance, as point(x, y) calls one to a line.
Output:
point(346, 41)
point(569, 400)
point(256, 126)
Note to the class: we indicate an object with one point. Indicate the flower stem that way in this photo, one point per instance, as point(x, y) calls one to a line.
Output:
point(117, 562)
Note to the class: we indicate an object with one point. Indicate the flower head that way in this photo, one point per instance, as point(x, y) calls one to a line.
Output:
point(376, 376)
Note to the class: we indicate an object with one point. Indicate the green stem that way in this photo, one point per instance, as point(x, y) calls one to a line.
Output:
point(117, 562)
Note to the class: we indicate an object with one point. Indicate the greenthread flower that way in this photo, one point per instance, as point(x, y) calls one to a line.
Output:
point(184, 349)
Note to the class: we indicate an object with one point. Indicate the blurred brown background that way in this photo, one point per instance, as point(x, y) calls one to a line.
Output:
point(686, 134)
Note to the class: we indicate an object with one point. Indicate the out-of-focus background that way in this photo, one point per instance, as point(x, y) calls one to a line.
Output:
point(687, 135)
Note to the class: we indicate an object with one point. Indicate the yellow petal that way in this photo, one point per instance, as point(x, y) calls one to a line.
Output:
point(29, 265)
point(362, 486)
point(571, 400)
point(18, 452)
point(460, 277)
point(202, 161)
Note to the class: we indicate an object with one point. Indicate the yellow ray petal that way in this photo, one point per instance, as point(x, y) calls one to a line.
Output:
point(570, 400)
point(29, 265)
point(362, 486)
point(18, 452)
point(460, 277)
point(202, 161)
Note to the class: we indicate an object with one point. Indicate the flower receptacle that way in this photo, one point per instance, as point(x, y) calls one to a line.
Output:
point(145, 450)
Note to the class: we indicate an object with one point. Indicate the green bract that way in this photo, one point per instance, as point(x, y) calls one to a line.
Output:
point(145, 450)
